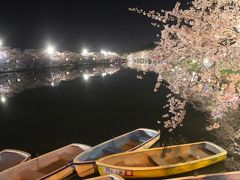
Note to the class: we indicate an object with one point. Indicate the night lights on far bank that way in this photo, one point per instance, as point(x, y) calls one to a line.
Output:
point(84, 52)
point(50, 49)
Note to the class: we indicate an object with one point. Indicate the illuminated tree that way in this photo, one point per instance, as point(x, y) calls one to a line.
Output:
point(198, 54)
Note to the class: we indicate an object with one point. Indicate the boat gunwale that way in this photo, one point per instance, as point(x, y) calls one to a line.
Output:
point(77, 162)
point(223, 152)
point(84, 147)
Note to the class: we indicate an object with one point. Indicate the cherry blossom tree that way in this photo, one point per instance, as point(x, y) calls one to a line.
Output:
point(198, 54)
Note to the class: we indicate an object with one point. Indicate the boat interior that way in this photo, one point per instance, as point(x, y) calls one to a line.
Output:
point(10, 159)
point(163, 156)
point(118, 145)
point(45, 164)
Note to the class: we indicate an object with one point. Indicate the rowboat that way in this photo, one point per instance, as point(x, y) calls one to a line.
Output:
point(53, 165)
point(219, 176)
point(163, 161)
point(12, 157)
point(138, 139)
point(107, 177)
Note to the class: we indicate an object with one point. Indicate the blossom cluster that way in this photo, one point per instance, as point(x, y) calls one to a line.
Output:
point(198, 54)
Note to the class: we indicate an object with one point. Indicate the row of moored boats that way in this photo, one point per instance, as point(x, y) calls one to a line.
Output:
point(126, 156)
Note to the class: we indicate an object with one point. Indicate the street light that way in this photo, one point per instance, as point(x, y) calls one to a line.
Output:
point(103, 52)
point(85, 52)
point(50, 49)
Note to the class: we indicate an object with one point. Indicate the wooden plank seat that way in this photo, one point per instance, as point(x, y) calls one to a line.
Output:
point(30, 174)
point(156, 160)
point(199, 152)
point(66, 156)
point(130, 144)
point(53, 166)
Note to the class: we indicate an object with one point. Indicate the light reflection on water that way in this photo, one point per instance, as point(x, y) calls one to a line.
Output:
point(14, 83)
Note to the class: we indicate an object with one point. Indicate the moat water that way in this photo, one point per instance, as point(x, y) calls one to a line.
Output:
point(45, 110)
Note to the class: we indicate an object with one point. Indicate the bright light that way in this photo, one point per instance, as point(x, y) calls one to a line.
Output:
point(50, 50)
point(85, 52)
point(18, 80)
point(1, 43)
point(52, 84)
point(86, 77)
point(3, 99)
point(104, 74)
point(103, 52)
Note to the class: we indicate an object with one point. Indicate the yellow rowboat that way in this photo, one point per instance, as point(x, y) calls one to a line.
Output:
point(107, 177)
point(12, 157)
point(163, 161)
point(53, 165)
point(138, 139)
point(218, 176)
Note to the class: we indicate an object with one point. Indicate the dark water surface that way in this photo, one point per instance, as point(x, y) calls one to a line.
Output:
point(42, 118)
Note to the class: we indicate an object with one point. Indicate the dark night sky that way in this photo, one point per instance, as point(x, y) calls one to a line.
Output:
point(72, 24)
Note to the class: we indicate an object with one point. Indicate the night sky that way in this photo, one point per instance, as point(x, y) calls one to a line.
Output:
point(73, 24)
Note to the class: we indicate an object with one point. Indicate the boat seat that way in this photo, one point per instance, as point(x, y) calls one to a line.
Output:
point(130, 144)
point(156, 160)
point(30, 174)
point(198, 153)
point(53, 166)
point(65, 156)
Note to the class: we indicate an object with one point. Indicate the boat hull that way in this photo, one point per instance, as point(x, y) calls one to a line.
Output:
point(51, 166)
point(162, 161)
point(153, 173)
point(12, 157)
point(85, 169)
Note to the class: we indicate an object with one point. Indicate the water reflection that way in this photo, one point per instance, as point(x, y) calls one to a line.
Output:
point(14, 83)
